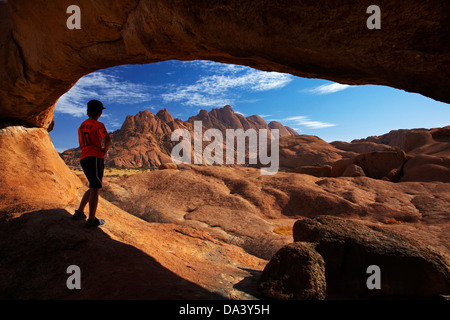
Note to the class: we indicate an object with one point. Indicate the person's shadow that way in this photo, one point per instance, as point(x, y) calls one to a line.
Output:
point(37, 248)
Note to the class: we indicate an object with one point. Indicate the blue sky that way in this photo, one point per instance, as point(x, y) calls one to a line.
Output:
point(317, 107)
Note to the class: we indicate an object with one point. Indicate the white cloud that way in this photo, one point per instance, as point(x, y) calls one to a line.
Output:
point(264, 81)
point(216, 86)
point(328, 88)
point(307, 122)
point(194, 96)
point(213, 89)
point(102, 86)
point(214, 67)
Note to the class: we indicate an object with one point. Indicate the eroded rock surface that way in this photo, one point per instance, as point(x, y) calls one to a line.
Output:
point(128, 258)
point(219, 231)
point(296, 272)
point(219, 197)
point(32, 173)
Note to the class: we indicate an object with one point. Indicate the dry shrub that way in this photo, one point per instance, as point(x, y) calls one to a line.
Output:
point(284, 230)
point(392, 221)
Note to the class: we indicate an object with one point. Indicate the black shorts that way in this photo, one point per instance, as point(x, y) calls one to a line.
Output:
point(93, 169)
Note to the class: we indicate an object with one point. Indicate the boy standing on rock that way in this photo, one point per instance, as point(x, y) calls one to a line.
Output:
point(90, 136)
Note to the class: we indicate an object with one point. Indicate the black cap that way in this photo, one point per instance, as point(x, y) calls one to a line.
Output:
point(95, 106)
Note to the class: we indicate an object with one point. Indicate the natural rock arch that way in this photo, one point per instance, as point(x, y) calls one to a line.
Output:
point(42, 58)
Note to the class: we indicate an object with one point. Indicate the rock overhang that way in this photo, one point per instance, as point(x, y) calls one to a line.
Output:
point(44, 59)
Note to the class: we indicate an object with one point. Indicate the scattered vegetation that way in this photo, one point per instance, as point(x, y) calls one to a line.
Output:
point(392, 221)
point(284, 230)
point(117, 172)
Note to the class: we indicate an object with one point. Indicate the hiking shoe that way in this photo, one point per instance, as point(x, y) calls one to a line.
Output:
point(78, 215)
point(95, 223)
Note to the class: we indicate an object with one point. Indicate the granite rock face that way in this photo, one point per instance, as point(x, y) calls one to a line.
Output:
point(144, 140)
point(27, 156)
point(297, 272)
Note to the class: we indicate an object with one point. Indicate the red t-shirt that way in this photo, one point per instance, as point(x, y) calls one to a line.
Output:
point(90, 135)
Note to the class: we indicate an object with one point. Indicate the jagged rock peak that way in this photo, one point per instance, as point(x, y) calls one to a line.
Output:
point(164, 115)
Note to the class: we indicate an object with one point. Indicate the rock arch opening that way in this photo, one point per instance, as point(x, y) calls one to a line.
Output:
point(317, 107)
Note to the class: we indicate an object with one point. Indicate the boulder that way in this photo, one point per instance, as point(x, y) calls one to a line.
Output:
point(353, 170)
point(165, 166)
point(394, 175)
point(375, 164)
point(338, 168)
point(297, 272)
point(441, 134)
point(417, 138)
point(378, 164)
point(413, 141)
point(349, 248)
point(427, 168)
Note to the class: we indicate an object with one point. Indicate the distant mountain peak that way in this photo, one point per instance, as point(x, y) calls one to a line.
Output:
point(164, 115)
point(144, 140)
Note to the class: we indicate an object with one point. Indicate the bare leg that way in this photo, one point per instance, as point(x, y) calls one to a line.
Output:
point(84, 200)
point(93, 201)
